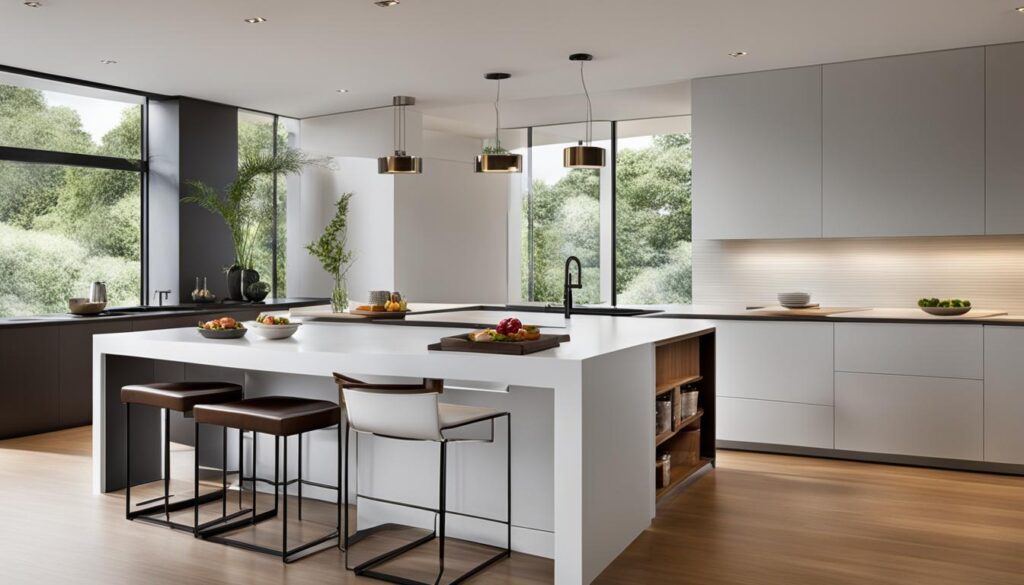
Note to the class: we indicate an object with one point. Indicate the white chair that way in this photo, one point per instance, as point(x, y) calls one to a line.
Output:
point(411, 412)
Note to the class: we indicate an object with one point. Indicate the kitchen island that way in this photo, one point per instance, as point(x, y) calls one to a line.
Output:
point(583, 419)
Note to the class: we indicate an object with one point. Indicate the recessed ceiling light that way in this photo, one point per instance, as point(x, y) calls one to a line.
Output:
point(1018, 9)
point(386, 3)
point(108, 61)
point(255, 20)
point(342, 91)
point(33, 4)
point(738, 54)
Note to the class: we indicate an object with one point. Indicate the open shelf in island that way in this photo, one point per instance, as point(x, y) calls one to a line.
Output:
point(685, 365)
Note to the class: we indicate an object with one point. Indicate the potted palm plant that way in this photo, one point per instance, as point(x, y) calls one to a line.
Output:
point(331, 249)
point(245, 213)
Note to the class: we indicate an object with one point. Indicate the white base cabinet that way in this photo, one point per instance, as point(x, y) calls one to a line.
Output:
point(910, 415)
point(1004, 395)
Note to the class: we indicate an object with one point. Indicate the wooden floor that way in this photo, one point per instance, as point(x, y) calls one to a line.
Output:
point(756, 519)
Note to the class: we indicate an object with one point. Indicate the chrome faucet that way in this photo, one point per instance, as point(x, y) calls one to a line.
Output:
point(161, 296)
point(569, 284)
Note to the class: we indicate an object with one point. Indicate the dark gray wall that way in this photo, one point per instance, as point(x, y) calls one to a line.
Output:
point(208, 142)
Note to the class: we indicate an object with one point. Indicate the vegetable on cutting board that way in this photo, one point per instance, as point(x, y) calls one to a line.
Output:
point(943, 303)
point(509, 329)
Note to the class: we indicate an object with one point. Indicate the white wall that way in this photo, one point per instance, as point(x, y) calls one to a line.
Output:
point(451, 227)
point(439, 236)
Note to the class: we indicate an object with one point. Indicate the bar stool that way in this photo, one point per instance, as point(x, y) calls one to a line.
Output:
point(180, 397)
point(282, 417)
point(411, 412)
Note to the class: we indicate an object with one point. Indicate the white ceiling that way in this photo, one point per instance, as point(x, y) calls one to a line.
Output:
point(438, 50)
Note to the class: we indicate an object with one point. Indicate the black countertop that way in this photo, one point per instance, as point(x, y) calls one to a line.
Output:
point(171, 311)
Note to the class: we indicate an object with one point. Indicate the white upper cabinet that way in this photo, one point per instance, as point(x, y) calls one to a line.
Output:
point(757, 155)
point(904, 145)
point(1005, 139)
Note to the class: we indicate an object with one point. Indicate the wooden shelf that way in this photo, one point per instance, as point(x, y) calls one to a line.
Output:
point(683, 423)
point(670, 384)
point(679, 474)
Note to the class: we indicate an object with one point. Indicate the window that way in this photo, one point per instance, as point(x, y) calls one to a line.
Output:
point(256, 133)
point(562, 217)
point(640, 247)
point(71, 183)
point(652, 211)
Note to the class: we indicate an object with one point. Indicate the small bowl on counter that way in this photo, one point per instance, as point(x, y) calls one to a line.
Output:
point(794, 300)
point(283, 331)
point(223, 333)
point(82, 306)
point(946, 311)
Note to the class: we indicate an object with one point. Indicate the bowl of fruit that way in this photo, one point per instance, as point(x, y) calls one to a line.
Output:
point(945, 307)
point(223, 328)
point(508, 330)
point(271, 327)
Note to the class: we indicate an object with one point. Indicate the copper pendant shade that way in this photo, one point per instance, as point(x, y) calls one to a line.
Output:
point(584, 155)
point(400, 163)
point(500, 161)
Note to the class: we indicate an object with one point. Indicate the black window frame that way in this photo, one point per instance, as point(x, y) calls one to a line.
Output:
point(140, 165)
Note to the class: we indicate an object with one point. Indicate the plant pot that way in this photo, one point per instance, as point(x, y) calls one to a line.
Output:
point(234, 275)
point(248, 278)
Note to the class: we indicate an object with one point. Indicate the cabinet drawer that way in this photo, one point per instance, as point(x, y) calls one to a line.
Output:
point(779, 423)
point(909, 415)
point(944, 351)
point(788, 362)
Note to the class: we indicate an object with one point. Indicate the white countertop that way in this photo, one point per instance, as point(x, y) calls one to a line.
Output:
point(321, 347)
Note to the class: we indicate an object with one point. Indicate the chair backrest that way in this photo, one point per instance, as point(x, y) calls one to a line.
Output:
point(404, 411)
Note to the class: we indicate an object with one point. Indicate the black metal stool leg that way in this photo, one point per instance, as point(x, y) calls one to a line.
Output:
point(167, 465)
point(223, 471)
point(255, 439)
point(284, 521)
point(195, 484)
point(128, 460)
point(277, 469)
point(442, 504)
point(241, 466)
point(300, 476)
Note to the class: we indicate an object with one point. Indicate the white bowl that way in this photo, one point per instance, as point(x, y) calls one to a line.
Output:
point(274, 331)
point(795, 299)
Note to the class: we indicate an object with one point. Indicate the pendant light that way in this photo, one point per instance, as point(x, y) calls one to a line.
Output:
point(400, 163)
point(496, 159)
point(584, 155)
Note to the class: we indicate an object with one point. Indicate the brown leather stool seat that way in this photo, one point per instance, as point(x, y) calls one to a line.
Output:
point(282, 417)
point(274, 415)
point(181, 396)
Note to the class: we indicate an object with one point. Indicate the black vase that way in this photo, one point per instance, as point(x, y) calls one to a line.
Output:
point(248, 278)
point(235, 283)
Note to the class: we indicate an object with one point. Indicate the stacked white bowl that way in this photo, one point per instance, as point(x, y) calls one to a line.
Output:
point(794, 299)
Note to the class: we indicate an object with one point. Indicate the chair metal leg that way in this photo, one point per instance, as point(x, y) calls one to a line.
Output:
point(277, 470)
point(128, 460)
point(508, 479)
point(442, 506)
point(300, 477)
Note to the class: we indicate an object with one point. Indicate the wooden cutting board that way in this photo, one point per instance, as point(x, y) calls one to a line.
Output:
point(462, 343)
point(324, 313)
point(808, 312)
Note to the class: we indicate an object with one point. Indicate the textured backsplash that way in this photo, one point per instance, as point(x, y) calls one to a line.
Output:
point(875, 272)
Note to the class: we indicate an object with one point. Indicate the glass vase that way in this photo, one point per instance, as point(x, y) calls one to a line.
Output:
point(339, 296)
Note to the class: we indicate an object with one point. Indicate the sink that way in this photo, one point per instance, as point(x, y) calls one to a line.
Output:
point(148, 309)
point(583, 310)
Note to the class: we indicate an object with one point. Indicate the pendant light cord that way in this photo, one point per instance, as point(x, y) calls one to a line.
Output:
point(497, 119)
point(590, 117)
